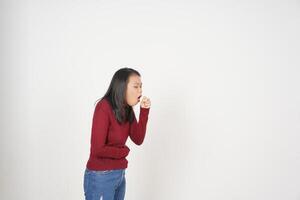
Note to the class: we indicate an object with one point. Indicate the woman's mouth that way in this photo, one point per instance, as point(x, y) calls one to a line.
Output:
point(139, 98)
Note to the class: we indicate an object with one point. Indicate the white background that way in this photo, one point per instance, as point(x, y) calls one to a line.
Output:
point(223, 78)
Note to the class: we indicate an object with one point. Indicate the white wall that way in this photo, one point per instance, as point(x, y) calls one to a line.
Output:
point(223, 79)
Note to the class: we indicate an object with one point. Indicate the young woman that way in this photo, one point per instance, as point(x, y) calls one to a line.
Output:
point(113, 121)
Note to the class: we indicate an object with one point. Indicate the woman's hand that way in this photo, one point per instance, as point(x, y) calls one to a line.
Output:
point(145, 103)
point(124, 151)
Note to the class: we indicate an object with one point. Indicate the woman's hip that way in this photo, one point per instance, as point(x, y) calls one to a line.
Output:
point(103, 179)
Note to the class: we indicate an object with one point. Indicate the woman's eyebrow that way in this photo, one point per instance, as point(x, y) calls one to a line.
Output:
point(138, 83)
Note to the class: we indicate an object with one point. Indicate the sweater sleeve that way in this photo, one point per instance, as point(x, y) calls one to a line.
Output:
point(100, 128)
point(138, 129)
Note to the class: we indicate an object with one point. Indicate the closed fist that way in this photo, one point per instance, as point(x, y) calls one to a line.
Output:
point(145, 103)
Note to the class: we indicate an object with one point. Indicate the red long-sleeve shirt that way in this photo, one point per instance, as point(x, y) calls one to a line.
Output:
point(108, 138)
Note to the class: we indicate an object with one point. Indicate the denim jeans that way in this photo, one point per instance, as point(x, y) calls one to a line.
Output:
point(104, 185)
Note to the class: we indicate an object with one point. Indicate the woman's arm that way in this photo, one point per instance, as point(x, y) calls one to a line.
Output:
point(138, 129)
point(100, 128)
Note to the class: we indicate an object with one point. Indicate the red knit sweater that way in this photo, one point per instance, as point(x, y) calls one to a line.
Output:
point(108, 138)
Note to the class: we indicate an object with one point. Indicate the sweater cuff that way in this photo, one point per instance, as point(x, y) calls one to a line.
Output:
point(144, 111)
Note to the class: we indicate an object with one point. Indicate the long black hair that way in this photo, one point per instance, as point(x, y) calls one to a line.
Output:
point(116, 93)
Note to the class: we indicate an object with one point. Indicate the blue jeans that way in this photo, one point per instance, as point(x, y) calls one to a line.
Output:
point(104, 185)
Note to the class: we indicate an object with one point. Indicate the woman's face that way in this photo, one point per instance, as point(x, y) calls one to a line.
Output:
point(134, 90)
